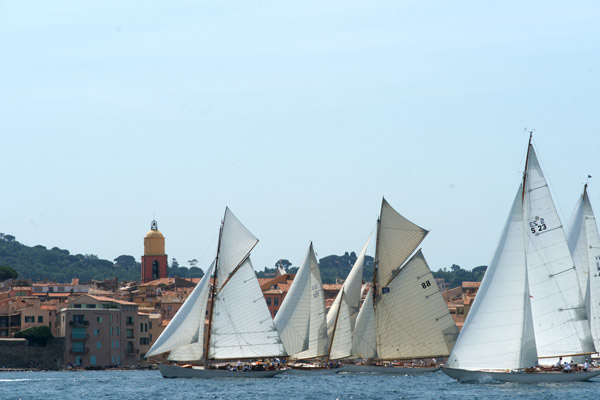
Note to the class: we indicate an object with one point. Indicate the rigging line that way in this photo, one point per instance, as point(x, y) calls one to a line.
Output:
point(571, 308)
point(561, 272)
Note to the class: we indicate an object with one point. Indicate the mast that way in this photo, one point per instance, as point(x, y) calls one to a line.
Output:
point(376, 260)
point(337, 316)
point(213, 293)
point(526, 164)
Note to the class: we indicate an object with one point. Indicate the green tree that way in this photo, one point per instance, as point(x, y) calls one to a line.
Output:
point(7, 273)
point(37, 335)
point(125, 261)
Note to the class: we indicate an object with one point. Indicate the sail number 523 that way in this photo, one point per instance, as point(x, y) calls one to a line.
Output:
point(537, 226)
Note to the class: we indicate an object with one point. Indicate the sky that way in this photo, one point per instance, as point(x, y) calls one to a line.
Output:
point(298, 116)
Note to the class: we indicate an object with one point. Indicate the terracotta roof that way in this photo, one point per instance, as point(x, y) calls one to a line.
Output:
point(22, 288)
point(108, 299)
point(467, 284)
point(165, 322)
point(332, 286)
point(48, 307)
point(156, 282)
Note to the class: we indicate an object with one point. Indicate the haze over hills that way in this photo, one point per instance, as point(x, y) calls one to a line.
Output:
point(39, 263)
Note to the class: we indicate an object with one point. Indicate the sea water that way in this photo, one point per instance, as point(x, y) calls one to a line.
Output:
point(150, 385)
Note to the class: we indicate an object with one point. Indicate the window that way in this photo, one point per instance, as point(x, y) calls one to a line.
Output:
point(78, 347)
point(146, 327)
point(30, 319)
point(96, 332)
point(112, 344)
point(117, 344)
point(269, 300)
point(144, 341)
point(276, 300)
point(118, 331)
point(150, 324)
point(98, 345)
point(91, 306)
point(111, 331)
point(154, 269)
point(92, 360)
point(141, 327)
point(78, 332)
point(129, 333)
point(129, 320)
point(110, 318)
point(99, 319)
point(76, 305)
point(78, 360)
point(112, 359)
point(129, 347)
point(40, 318)
point(150, 337)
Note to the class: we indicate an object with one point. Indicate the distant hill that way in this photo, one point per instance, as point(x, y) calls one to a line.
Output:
point(40, 263)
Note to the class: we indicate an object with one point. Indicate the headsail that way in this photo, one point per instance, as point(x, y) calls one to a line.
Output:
point(364, 336)
point(341, 335)
point(352, 290)
point(498, 332)
point(560, 320)
point(187, 326)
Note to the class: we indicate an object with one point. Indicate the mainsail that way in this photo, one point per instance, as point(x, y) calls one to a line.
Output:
point(584, 243)
point(560, 320)
point(301, 319)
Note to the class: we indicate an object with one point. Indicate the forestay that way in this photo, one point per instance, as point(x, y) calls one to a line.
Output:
point(412, 318)
point(498, 332)
point(560, 320)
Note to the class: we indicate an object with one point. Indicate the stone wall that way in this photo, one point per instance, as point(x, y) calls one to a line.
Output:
point(15, 353)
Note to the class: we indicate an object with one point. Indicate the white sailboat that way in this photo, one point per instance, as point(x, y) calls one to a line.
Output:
point(236, 321)
point(584, 243)
point(301, 320)
point(404, 316)
point(529, 305)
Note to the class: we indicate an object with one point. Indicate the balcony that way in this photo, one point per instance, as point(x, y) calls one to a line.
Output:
point(79, 323)
point(79, 336)
point(79, 351)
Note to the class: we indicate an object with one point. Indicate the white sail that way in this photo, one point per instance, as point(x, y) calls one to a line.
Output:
point(560, 320)
point(341, 334)
point(364, 336)
point(352, 289)
point(236, 242)
point(186, 329)
point(412, 318)
point(584, 243)
point(293, 318)
point(312, 298)
point(242, 326)
point(398, 238)
point(498, 332)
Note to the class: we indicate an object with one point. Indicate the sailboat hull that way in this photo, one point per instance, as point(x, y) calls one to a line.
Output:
point(310, 370)
point(467, 376)
point(174, 371)
point(382, 369)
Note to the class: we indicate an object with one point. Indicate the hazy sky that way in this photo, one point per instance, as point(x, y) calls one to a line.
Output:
point(299, 116)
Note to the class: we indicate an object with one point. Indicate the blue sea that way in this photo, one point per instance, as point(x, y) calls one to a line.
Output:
point(152, 386)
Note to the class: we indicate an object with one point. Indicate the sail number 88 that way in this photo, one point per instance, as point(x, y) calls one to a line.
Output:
point(425, 284)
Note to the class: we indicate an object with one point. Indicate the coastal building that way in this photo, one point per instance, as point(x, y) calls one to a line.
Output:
point(100, 332)
point(275, 289)
point(154, 260)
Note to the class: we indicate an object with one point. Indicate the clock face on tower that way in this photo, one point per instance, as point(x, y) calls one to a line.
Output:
point(154, 225)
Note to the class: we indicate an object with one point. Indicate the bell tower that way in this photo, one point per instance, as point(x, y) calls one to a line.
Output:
point(154, 260)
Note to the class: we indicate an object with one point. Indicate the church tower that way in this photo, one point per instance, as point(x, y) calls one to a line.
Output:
point(154, 260)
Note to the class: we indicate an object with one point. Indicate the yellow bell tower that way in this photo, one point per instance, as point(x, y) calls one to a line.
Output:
point(154, 260)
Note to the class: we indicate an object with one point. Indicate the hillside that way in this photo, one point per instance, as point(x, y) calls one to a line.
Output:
point(40, 263)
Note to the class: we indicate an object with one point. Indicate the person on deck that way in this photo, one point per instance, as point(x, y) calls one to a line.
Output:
point(567, 367)
point(586, 365)
point(559, 363)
